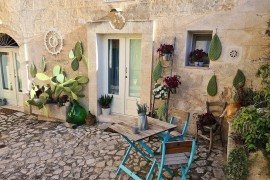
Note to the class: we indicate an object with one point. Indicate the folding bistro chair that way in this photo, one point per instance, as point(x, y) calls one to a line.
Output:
point(178, 152)
point(174, 135)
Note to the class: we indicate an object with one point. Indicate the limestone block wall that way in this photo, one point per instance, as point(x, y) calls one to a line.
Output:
point(240, 25)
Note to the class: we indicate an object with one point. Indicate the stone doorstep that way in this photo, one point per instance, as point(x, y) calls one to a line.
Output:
point(112, 118)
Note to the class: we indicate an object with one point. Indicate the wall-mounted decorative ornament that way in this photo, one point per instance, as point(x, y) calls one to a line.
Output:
point(215, 48)
point(157, 71)
point(234, 53)
point(53, 41)
point(239, 80)
point(212, 86)
point(117, 20)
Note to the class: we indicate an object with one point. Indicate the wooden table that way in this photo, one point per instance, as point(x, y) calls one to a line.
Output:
point(124, 127)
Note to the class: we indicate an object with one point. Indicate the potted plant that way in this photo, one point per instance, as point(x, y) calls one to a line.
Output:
point(206, 119)
point(172, 82)
point(166, 50)
point(3, 101)
point(160, 91)
point(105, 103)
point(142, 118)
point(197, 57)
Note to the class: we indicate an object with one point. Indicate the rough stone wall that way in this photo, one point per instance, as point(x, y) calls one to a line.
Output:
point(240, 25)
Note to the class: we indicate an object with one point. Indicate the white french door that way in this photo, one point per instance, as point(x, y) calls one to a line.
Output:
point(11, 77)
point(122, 65)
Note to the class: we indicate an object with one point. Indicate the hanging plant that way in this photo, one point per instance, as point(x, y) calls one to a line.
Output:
point(33, 70)
point(212, 86)
point(215, 48)
point(157, 71)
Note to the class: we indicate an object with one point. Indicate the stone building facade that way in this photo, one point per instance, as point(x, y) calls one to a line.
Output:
point(240, 25)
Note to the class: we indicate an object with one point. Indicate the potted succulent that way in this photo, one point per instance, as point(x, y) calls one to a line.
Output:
point(142, 118)
point(105, 103)
point(166, 50)
point(197, 57)
point(3, 101)
point(206, 119)
point(172, 82)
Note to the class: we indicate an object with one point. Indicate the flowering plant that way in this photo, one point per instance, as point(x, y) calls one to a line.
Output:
point(197, 55)
point(172, 81)
point(206, 119)
point(160, 91)
point(165, 49)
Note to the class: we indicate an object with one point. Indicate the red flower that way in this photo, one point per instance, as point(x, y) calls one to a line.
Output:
point(165, 49)
point(197, 55)
point(172, 82)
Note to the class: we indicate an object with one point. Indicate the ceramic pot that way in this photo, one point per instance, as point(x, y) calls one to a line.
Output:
point(173, 90)
point(142, 121)
point(232, 108)
point(196, 63)
point(200, 64)
point(76, 113)
point(167, 57)
point(106, 111)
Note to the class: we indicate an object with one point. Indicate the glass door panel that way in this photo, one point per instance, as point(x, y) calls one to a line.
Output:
point(135, 68)
point(5, 71)
point(113, 66)
point(18, 73)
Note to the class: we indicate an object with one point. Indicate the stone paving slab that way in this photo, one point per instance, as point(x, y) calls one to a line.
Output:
point(31, 149)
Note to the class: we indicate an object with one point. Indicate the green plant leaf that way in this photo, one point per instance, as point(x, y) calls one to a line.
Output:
point(43, 98)
point(43, 64)
point(239, 79)
point(78, 50)
point(161, 112)
point(42, 77)
point(68, 83)
point(157, 71)
point(60, 78)
point(53, 81)
point(77, 89)
point(85, 61)
point(75, 64)
point(82, 79)
point(71, 54)
point(215, 48)
point(58, 91)
point(212, 86)
point(67, 89)
point(33, 70)
point(74, 96)
point(56, 70)
point(32, 93)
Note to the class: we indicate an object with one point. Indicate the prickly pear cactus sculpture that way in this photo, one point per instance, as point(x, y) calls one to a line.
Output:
point(157, 71)
point(161, 112)
point(33, 70)
point(239, 79)
point(215, 48)
point(212, 86)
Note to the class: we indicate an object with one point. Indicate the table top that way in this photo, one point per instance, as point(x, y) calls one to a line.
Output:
point(124, 127)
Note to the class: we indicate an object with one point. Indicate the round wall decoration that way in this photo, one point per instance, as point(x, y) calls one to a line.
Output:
point(234, 53)
point(53, 41)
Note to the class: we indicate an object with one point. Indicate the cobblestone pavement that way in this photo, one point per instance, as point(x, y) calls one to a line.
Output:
point(31, 149)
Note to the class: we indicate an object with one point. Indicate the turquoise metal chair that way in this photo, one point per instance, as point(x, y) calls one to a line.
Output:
point(174, 135)
point(178, 152)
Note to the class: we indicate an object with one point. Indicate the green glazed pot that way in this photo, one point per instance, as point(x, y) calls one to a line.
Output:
point(76, 113)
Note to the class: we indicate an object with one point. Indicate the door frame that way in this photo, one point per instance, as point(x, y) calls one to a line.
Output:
point(95, 32)
point(121, 99)
point(18, 95)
